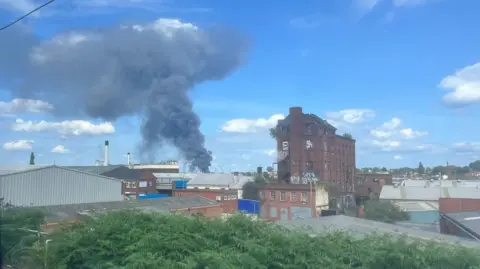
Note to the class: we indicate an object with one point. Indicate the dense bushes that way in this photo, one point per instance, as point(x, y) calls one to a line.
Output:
point(384, 211)
point(138, 240)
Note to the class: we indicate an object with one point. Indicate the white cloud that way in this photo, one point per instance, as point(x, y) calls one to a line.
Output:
point(60, 149)
point(386, 145)
point(251, 125)
point(409, 133)
point(351, 116)
point(464, 86)
point(73, 127)
point(408, 3)
point(397, 157)
point(19, 106)
point(391, 129)
point(22, 6)
point(465, 146)
point(18, 145)
point(270, 152)
point(365, 6)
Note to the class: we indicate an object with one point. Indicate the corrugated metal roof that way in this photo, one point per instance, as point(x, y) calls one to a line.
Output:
point(427, 194)
point(444, 183)
point(92, 169)
point(174, 175)
point(240, 181)
point(8, 169)
point(362, 227)
point(69, 212)
point(417, 205)
point(211, 179)
point(467, 219)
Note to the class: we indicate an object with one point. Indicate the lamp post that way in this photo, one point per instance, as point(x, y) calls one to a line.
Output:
point(46, 252)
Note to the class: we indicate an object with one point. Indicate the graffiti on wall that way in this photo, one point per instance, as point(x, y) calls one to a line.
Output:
point(301, 212)
point(285, 145)
point(308, 144)
point(281, 155)
point(307, 177)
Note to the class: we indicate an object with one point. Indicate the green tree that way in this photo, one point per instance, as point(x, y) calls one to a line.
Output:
point(421, 168)
point(384, 211)
point(32, 158)
point(250, 189)
point(475, 165)
point(273, 133)
point(18, 228)
point(347, 135)
point(269, 169)
point(384, 169)
point(129, 239)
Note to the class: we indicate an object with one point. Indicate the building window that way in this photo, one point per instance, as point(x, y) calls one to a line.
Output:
point(309, 128)
point(283, 196)
point(293, 196)
point(128, 185)
point(326, 166)
point(304, 196)
point(225, 198)
point(261, 195)
point(134, 185)
point(218, 198)
point(272, 195)
point(150, 184)
point(309, 165)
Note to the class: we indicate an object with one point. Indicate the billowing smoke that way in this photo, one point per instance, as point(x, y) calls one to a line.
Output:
point(142, 70)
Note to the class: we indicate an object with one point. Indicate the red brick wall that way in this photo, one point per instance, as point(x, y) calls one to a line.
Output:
point(150, 188)
point(452, 205)
point(229, 205)
point(267, 204)
point(333, 156)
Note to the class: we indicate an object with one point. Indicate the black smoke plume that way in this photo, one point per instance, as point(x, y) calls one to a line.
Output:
point(130, 70)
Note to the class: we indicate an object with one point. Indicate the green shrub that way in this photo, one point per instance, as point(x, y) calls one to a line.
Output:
point(138, 240)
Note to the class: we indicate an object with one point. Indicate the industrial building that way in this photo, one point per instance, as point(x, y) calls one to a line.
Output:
point(75, 212)
point(54, 185)
point(363, 227)
point(287, 201)
point(310, 150)
point(464, 224)
point(135, 182)
point(422, 203)
point(227, 198)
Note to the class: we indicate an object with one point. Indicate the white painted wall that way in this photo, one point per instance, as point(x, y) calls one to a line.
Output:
point(321, 197)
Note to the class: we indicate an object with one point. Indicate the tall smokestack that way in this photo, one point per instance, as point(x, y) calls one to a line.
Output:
point(128, 160)
point(105, 159)
point(259, 170)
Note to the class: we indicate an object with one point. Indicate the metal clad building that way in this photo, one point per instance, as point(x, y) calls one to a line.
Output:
point(53, 185)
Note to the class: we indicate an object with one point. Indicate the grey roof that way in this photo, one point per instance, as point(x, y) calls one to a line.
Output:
point(468, 219)
point(361, 227)
point(69, 212)
point(211, 179)
point(9, 169)
point(444, 183)
point(174, 175)
point(427, 194)
point(240, 181)
point(93, 169)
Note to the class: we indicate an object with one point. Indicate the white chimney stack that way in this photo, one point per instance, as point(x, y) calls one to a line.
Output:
point(105, 160)
point(128, 160)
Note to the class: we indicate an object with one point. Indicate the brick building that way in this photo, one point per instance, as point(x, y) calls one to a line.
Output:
point(135, 182)
point(309, 149)
point(226, 197)
point(281, 201)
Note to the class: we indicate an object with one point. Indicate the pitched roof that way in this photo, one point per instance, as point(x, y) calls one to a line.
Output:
point(427, 194)
point(69, 212)
point(9, 169)
point(125, 173)
point(92, 169)
point(469, 220)
point(361, 227)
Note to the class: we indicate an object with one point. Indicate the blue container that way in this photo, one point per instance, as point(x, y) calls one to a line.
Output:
point(424, 217)
point(248, 206)
point(181, 184)
point(152, 196)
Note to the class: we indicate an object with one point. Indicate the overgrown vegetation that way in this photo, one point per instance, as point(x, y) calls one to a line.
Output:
point(250, 189)
point(384, 211)
point(141, 240)
point(347, 135)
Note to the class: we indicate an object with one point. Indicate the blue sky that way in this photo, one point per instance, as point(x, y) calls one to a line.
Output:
point(402, 76)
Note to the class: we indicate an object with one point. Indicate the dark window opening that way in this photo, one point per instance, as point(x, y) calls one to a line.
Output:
point(309, 165)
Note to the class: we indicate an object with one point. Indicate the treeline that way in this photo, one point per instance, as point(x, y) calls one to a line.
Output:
point(440, 169)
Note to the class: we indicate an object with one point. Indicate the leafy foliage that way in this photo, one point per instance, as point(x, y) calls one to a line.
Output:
point(32, 159)
point(139, 240)
point(475, 165)
point(18, 233)
point(384, 211)
point(347, 135)
point(273, 133)
point(250, 189)
point(421, 168)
